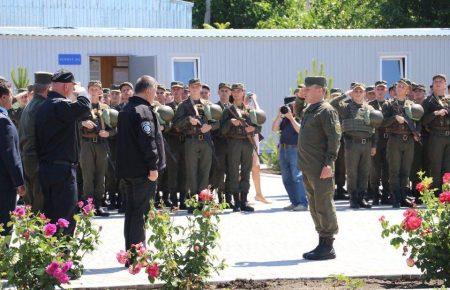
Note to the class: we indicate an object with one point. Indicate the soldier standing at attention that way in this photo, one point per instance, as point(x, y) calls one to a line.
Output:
point(94, 149)
point(218, 169)
point(140, 141)
point(190, 118)
point(379, 167)
point(318, 145)
point(360, 142)
point(239, 131)
point(437, 120)
point(27, 133)
point(400, 146)
point(57, 119)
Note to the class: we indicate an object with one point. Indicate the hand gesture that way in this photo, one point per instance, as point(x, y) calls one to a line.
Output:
point(373, 151)
point(249, 129)
point(21, 191)
point(194, 121)
point(400, 119)
point(235, 122)
point(153, 175)
point(88, 124)
point(205, 128)
point(103, 134)
point(327, 172)
point(441, 112)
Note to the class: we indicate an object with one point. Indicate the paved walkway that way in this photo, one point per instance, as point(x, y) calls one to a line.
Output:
point(269, 244)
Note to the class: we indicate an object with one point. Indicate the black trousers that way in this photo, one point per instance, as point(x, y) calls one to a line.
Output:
point(59, 186)
point(138, 193)
point(7, 204)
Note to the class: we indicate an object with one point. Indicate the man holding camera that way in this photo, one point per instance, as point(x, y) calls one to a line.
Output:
point(288, 127)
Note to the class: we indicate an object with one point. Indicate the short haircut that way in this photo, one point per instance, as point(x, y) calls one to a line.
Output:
point(40, 88)
point(4, 89)
point(145, 82)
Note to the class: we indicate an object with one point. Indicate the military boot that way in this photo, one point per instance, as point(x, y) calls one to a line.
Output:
point(228, 200)
point(362, 201)
point(354, 200)
point(173, 199)
point(385, 200)
point(183, 200)
point(166, 199)
point(315, 249)
point(99, 211)
point(244, 204)
point(325, 251)
point(237, 202)
point(396, 197)
point(407, 200)
point(340, 193)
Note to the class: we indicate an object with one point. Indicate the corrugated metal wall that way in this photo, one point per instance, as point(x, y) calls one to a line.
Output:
point(97, 13)
point(268, 66)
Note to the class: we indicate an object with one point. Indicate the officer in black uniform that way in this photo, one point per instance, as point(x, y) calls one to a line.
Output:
point(140, 137)
point(57, 147)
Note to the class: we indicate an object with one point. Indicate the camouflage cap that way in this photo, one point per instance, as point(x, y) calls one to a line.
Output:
point(316, 80)
point(419, 87)
point(43, 78)
point(194, 81)
point(301, 86)
point(224, 85)
point(370, 89)
point(176, 84)
point(106, 91)
point(237, 86)
point(405, 81)
point(115, 88)
point(335, 91)
point(205, 86)
point(161, 87)
point(442, 76)
point(126, 84)
point(358, 85)
point(381, 83)
point(95, 83)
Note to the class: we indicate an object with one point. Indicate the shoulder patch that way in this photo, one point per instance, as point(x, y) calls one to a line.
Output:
point(337, 127)
point(146, 127)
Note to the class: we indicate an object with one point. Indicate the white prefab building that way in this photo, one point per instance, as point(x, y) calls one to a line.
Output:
point(267, 61)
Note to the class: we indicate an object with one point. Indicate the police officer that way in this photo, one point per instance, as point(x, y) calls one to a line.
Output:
point(176, 177)
point(217, 178)
point(139, 135)
point(239, 130)
point(27, 133)
point(11, 174)
point(437, 120)
point(57, 147)
point(400, 145)
point(95, 148)
point(360, 142)
point(379, 167)
point(190, 118)
point(318, 145)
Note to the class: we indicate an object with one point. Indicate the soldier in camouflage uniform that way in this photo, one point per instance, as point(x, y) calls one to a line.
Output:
point(400, 146)
point(360, 139)
point(379, 167)
point(437, 120)
point(318, 145)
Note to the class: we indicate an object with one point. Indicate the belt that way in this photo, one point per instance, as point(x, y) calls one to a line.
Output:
point(404, 137)
point(359, 140)
point(199, 137)
point(93, 140)
point(237, 137)
point(60, 162)
point(286, 146)
point(441, 132)
point(385, 135)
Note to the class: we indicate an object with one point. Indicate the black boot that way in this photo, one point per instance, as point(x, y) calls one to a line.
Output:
point(315, 249)
point(340, 193)
point(354, 200)
point(237, 202)
point(376, 197)
point(183, 201)
point(362, 201)
point(99, 211)
point(244, 205)
point(166, 200)
point(396, 197)
point(228, 200)
point(407, 200)
point(325, 251)
point(173, 199)
point(385, 200)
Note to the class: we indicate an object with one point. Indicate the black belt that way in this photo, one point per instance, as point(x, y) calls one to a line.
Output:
point(60, 162)
point(286, 146)
point(404, 137)
point(200, 137)
point(359, 140)
point(93, 140)
point(441, 132)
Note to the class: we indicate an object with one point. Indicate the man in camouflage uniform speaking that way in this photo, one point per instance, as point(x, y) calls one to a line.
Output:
point(318, 145)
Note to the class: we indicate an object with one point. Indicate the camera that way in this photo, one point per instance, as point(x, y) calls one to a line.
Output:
point(284, 109)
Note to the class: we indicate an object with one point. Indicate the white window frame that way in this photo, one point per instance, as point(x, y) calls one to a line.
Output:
point(393, 57)
point(185, 59)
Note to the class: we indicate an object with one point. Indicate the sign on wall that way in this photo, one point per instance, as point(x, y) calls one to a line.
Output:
point(69, 59)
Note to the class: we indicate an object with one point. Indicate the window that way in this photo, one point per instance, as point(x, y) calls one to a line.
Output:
point(185, 69)
point(393, 68)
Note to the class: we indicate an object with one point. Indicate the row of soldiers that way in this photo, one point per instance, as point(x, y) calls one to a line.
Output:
point(387, 141)
point(198, 135)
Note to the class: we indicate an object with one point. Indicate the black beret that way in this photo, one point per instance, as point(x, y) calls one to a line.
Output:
point(63, 76)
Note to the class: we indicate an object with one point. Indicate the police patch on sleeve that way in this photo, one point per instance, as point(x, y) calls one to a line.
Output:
point(146, 127)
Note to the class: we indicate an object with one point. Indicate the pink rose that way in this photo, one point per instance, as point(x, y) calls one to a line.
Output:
point(80, 204)
point(62, 277)
point(42, 217)
point(122, 257)
point(67, 266)
point(410, 262)
point(420, 186)
point(153, 270)
point(87, 209)
point(19, 212)
point(90, 200)
point(135, 269)
point(205, 195)
point(412, 223)
point(62, 223)
point(445, 197)
point(51, 268)
point(446, 178)
point(410, 212)
point(382, 218)
point(49, 230)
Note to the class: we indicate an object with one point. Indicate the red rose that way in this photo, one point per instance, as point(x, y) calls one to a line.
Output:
point(410, 212)
point(445, 197)
point(446, 178)
point(206, 214)
point(205, 195)
point(153, 270)
point(412, 223)
point(420, 187)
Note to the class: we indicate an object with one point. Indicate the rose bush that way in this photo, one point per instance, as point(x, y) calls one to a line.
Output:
point(424, 233)
point(38, 255)
point(180, 256)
